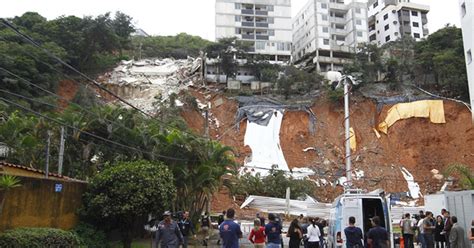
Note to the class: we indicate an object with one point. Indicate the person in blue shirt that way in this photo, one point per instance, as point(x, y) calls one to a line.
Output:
point(230, 231)
point(273, 232)
point(353, 234)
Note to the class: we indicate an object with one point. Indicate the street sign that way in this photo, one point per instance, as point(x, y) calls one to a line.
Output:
point(58, 187)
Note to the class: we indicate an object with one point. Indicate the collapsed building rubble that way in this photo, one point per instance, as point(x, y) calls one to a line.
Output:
point(146, 81)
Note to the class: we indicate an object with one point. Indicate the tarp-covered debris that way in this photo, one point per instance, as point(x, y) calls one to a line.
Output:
point(308, 207)
point(143, 82)
point(432, 109)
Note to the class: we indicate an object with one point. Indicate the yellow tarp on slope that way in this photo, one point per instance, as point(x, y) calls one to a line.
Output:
point(434, 109)
point(352, 139)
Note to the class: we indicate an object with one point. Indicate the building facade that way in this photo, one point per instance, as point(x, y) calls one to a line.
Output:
point(390, 20)
point(467, 23)
point(266, 24)
point(328, 31)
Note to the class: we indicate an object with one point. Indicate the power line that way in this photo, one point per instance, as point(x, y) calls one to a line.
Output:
point(57, 96)
point(90, 134)
point(30, 40)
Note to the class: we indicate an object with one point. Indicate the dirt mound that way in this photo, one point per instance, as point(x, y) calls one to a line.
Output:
point(67, 89)
point(416, 143)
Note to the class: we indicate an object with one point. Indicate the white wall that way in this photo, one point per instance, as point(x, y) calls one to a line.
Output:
point(467, 24)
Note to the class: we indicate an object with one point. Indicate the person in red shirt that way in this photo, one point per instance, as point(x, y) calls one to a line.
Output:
point(257, 235)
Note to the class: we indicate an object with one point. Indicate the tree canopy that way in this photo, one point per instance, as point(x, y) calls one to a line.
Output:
point(124, 194)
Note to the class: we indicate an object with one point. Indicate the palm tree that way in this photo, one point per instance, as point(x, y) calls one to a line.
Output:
point(466, 174)
point(7, 182)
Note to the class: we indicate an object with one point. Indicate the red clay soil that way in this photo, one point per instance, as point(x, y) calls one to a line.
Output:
point(67, 89)
point(416, 144)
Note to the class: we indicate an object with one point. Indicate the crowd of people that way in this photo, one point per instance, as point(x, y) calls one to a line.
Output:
point(430, 232)
point(424, 229)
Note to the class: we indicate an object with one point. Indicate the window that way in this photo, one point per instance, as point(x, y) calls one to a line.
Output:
point(238, 31)
point(385, 17)
point(281, 46)
point(237, 6)
point(270, 7)
point(271, 32)
point(325, 30)
point(469, 56)
point(324, 6)
point(325, 17)
point(358, 10)
point(463, 9)
point(358, 22)
point(271, 20)
point(387, 27)
point(237, 18)
point(359, 34)
point(376, 4)
point(406, 23)
point(406, 13)
point(326, 41)
point(387, 38)
point(414, 13)
point(416, 35)
point(415, 24)
point(260, 45)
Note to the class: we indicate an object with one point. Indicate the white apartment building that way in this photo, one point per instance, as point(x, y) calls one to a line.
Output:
point(264, 23)
point(467, 24)
point(329, 31)
point(390, 20)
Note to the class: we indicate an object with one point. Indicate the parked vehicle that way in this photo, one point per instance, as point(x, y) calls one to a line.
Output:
point(363, 206)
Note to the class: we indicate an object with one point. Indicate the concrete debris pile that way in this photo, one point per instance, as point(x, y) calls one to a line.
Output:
point(145, 81)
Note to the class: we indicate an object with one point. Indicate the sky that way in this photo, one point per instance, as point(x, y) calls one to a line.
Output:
point(169, 17)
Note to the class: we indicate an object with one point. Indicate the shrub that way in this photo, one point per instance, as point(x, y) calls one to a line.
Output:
point(89, 236)
point(38, 237)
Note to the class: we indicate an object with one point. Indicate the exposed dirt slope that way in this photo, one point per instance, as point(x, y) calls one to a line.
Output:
point(416, 143)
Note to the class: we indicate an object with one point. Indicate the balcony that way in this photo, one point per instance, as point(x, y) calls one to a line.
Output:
point(261, 12)
point(262, 37)
point(261, 24)
point(247, 11)
point(337, 20)
point(248, 24)
point(338, 31)
point(248, 36)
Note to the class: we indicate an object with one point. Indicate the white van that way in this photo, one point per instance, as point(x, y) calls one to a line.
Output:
point(363, 206)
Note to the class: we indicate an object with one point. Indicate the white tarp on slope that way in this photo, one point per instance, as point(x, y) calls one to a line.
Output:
point(264, 141)
point(265, 144)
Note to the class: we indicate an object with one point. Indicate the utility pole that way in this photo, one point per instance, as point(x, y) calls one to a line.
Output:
point(61, 153)
point(347, 132)
point(48, 143)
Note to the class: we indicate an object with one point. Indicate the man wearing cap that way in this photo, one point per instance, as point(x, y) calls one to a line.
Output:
point(168, 233)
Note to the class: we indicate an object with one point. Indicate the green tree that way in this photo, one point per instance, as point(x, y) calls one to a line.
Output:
point(122, 25)
point(123, 195)
point(442, 56)
point(7, 182)
point(226, 50)
point(465, 174)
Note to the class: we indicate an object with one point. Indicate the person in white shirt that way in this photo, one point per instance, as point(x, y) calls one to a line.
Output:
point(313, 234)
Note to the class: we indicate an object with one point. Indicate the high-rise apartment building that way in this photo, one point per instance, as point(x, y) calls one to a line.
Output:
point(266, 24)
point(467, 24)
point(329, 31)
point(390, 20)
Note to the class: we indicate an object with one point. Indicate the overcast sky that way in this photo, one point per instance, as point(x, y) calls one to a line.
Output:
point(169, 17)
